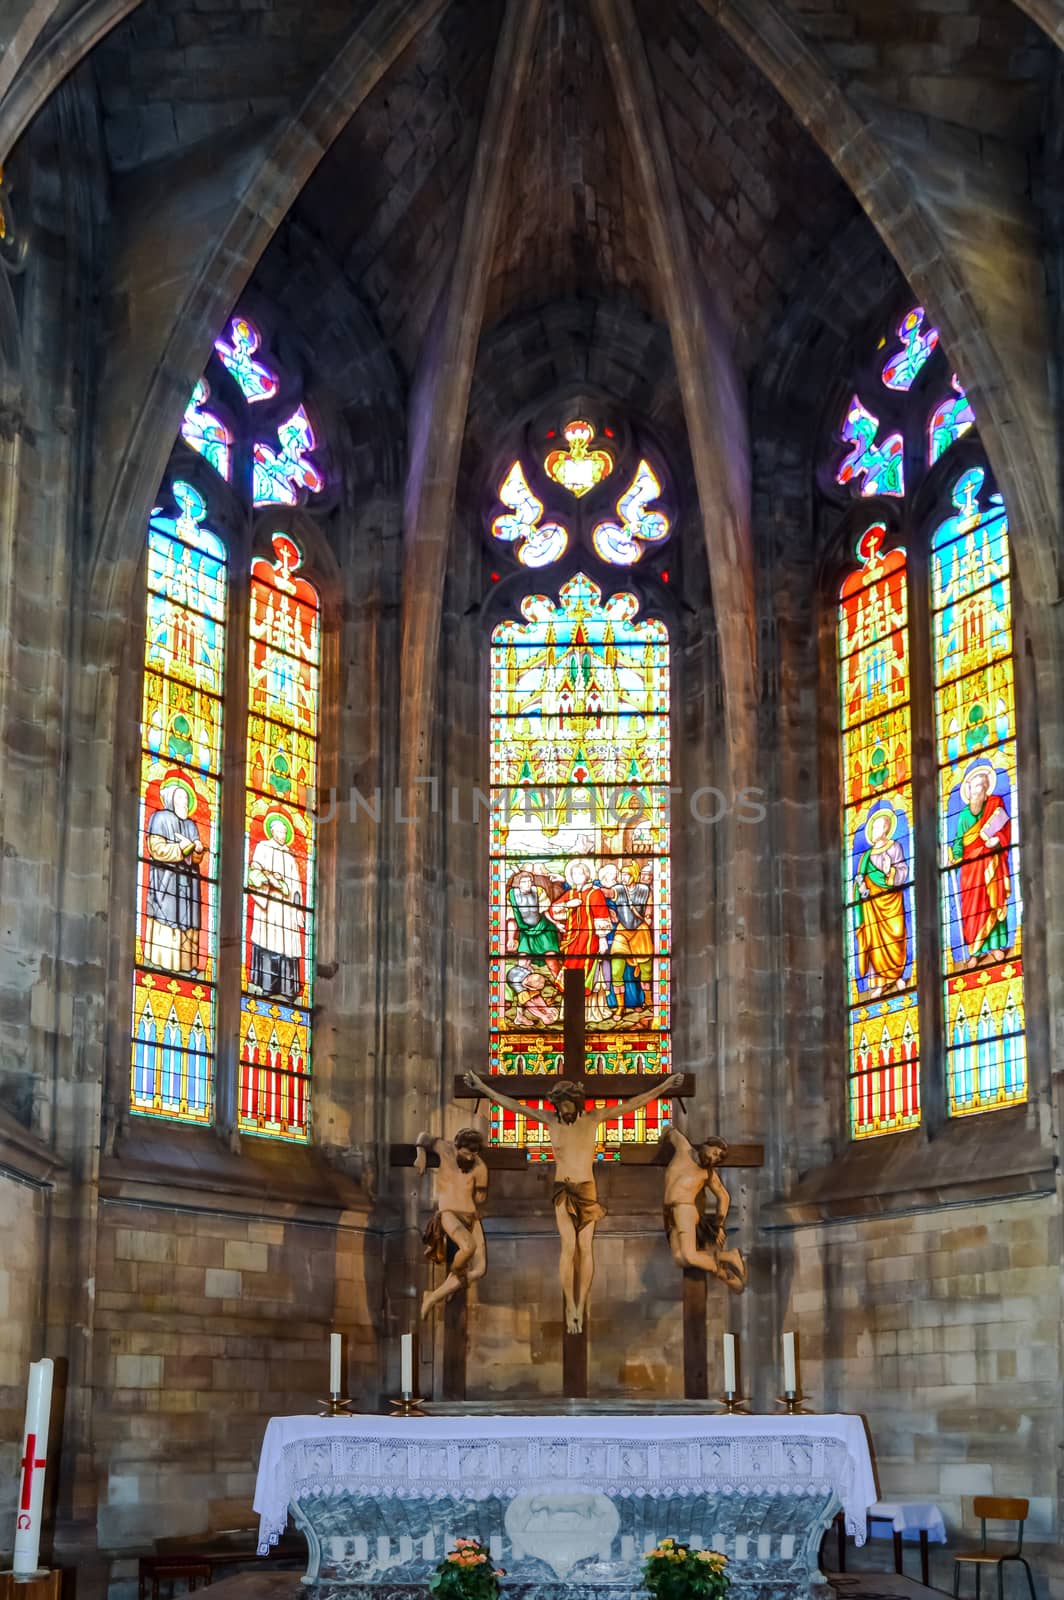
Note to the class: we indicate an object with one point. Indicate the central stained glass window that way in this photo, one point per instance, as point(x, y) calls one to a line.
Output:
point(580, 771)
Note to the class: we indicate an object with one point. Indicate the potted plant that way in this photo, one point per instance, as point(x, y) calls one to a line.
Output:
point(467, 1573)
point(674, 1571)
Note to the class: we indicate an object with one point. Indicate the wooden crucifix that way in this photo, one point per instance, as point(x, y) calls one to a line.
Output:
point(574, 1138)
point(512, 1090)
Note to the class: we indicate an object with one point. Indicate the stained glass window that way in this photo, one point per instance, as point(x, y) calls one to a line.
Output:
point(187, 970)
point(257, 381)
point(969, 711)
point(580, 773)
point(279, 475)
point(948, 422)
point(876, 467)
point(877, 831)
point(578, 468)
point(975, 739)
point(173, 1028)
point(621, 543)
point(205, 432)
point(538, 543)
point(284, 665)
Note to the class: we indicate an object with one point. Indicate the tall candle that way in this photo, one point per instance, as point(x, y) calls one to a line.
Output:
point(730, 1385)
point(336, 1345)
point(32, 1470)
point(406, 1364)
point(790, 1365)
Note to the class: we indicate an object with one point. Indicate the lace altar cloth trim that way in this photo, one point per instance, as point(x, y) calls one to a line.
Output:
point(429, 1459)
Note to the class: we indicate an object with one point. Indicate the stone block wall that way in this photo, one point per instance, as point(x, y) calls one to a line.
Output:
point(22, 1228)
point(943, 1328)
point(207, 1325)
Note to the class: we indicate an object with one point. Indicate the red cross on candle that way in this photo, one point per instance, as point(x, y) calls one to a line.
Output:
point(29, 1463)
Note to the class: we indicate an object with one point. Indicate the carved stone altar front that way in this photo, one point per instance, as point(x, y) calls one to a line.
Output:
point(567, 1515)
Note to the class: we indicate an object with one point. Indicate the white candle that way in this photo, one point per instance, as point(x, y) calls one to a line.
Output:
point(32, 1470)
point(406, 1364)
point(336, 1345)
point(790, 1365)
point(730, 1385)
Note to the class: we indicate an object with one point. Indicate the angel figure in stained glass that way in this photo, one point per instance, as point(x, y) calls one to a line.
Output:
point(280, 475)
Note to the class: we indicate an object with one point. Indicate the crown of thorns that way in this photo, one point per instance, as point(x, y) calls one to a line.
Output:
point(565, 1089)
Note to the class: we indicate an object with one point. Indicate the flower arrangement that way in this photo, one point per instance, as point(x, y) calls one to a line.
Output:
point(674, 1571)
point(467, 1573)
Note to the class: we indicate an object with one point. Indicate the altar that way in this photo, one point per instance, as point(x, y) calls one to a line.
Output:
point(567, 1504)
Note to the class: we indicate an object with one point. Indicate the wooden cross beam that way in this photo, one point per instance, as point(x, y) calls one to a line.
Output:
point(499, 1159)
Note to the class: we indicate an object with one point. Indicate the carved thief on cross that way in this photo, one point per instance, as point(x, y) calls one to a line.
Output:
point(455, 1236)
point(577, 1208)
point(695, 1240)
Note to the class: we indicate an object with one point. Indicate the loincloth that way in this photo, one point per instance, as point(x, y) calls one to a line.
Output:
point(705, 1231)
point(439, 1246)
point(581, 1201)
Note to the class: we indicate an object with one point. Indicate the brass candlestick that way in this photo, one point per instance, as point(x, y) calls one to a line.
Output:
point(792, 1399)
point(337, 1405)
point(733, 1403)
point(407, 1405)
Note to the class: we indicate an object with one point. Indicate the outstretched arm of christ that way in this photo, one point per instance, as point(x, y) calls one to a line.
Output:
point(673, 1136)
point(548, 1118)
point(640, 1100)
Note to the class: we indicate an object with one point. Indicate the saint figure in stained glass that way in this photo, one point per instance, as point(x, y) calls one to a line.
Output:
point(982, 834)
point(277, 927)
point(880, 911)
point(173, 913)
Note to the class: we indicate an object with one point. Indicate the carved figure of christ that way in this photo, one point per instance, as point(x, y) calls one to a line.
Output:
point(573, 1137)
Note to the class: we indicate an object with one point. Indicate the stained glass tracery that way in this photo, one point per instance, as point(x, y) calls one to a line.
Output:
point(284, 665)
point(538, 543)
point(205, 432)
point(621, 543)
point(580, 771)
point(237, 354)
point(877, 801)
point(874, 466)
point(173, 1024)
point(949, 422)
point(578, 468)
point(917, 344)
point(281, 474)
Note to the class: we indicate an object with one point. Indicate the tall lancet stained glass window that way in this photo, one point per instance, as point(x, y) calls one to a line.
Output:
point(975, 743)
point(251, 449)
point(580, 844)
point(176, 954)
point(967, 1012)
point(877, 831)
point(284, 666)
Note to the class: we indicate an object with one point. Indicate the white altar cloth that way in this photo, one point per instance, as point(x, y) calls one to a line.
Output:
point(459, 1448)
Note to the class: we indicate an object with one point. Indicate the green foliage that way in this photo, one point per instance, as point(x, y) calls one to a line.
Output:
point(676, 1572)
point(467, 1573)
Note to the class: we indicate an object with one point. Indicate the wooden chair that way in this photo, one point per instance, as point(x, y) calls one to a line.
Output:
point(995, 1508)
